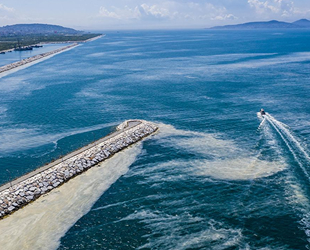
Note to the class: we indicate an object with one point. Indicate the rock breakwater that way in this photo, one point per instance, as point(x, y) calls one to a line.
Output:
point(34, 58)
point(25, 190)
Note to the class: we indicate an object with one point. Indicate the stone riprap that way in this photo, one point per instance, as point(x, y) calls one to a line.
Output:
point(34, 58)
point(28, 190)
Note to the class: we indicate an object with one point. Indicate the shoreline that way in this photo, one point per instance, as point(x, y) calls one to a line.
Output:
point(93, 39)
point(69, 41)
point(17, 64)
point(32, 59)
point(85, 41)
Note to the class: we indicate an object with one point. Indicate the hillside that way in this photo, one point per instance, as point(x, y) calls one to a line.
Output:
point(36, 29)
point(303, 23)
point(12, 36)
point(274, 24)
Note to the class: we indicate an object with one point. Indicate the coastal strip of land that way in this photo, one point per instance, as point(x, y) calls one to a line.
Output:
point(34, 58)
point(43, 55)
point(93, 39)
point(22, 191)
point(85, 41)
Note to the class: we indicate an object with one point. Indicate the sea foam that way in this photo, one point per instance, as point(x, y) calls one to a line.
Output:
point(40, 225)
point(219, 158)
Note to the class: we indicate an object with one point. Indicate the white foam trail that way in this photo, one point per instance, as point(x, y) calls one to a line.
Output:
point(263, 119)
point(247, 168)
point(167, 231)
point(296, 194)
point(41, 224)
point(197, 142)
point(284, 129)
point(283, 59)
point(221, 159)
point(15, 139)
point(3, 113)
point(279, 127)
point(17, 85)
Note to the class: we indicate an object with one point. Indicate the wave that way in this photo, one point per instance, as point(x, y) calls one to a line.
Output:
point(41, 224)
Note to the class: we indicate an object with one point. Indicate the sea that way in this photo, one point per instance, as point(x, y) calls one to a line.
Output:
point(217, 175)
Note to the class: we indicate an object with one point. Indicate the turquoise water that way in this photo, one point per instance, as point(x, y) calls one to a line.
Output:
point(217, 176)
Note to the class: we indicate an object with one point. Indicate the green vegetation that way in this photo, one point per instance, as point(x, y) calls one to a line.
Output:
point(11, 41)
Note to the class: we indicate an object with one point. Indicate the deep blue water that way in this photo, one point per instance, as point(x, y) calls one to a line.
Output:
point(216, 176)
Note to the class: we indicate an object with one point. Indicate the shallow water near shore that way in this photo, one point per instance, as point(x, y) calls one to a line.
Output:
point(215, 176)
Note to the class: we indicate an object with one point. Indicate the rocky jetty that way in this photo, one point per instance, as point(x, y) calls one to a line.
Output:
point(28, 190)
point(34, 58)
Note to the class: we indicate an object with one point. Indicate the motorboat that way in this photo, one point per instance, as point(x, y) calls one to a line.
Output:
point(262, 112)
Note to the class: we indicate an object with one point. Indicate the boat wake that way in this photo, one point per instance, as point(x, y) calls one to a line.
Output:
point(297, 150)
point(298, 177)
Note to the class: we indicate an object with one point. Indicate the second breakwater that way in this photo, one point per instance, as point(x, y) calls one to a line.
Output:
point(34, 58)
point(28, 188)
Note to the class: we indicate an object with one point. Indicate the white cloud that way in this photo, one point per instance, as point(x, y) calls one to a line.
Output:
point(103, 12)
point(137, 12)
point(7, 14)
point(282, 8)
point(225, 17)
point(121, 14)
point(5, 8)
point(168, 10)
point(154, 10)
point(211, 12)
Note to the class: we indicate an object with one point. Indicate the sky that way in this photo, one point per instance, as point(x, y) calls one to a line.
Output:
point(149, 14)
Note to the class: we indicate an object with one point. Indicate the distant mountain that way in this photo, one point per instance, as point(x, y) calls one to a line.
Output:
point(300, 24)
point(303, 23)
point(36, 28)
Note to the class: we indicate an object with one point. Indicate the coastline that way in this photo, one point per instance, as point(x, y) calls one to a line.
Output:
point(29, 60)
point(32, 59)
point(85, 41)
point(26, 65)
point(94, 38)
point(69, 41)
